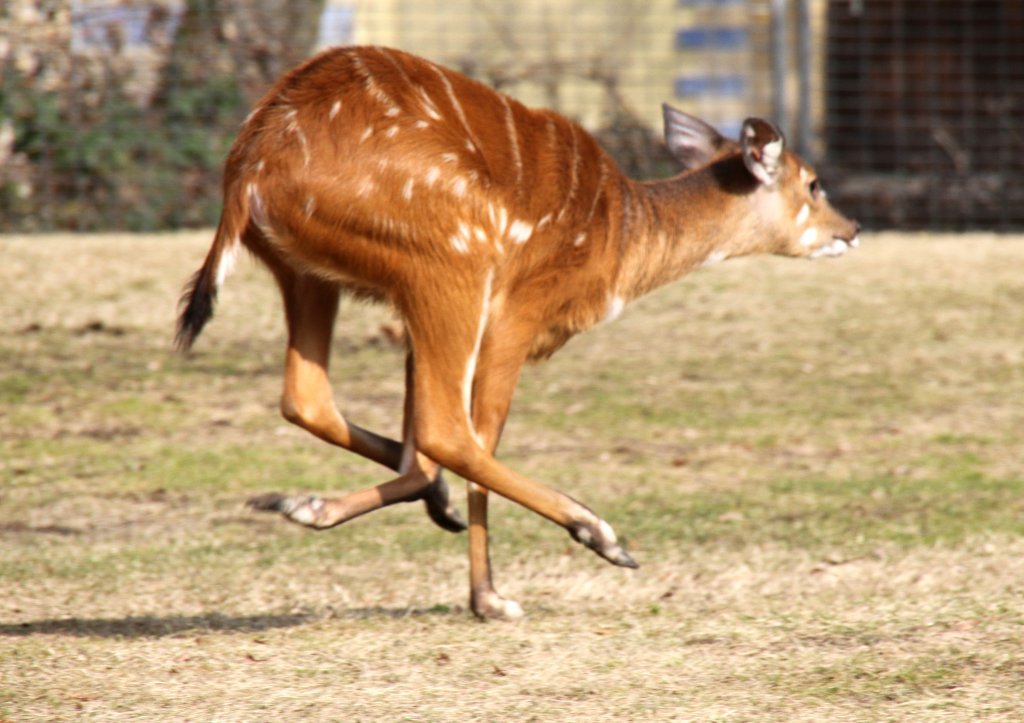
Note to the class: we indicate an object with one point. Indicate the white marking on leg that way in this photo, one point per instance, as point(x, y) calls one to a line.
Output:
point(467, 380)
point(805, 212)
point(334, 110)
point(809, 236)
point(607, 532)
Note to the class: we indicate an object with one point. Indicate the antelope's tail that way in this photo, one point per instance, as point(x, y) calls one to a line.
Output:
point(200, 293)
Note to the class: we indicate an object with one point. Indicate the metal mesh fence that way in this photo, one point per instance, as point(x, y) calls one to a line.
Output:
point(118, 113)
point(923, 98)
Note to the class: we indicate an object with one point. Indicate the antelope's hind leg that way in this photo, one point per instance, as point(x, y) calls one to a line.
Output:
point(311, 305)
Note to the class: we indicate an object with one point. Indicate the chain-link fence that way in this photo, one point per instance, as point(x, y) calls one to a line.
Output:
point(118, 113)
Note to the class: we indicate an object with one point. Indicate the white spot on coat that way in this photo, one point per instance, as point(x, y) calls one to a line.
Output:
point(391, 132)
point(580, 238)
point(366, 187)
point(310, 206)
point(450, 157)
point(459, 244)
point(407, 189)
point(366, 134)
point(334, 110)
point(433, 173)
point(520, 231)
point(459, 186)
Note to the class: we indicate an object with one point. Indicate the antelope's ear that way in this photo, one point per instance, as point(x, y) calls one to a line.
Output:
point(762, 145)
point(691, 141)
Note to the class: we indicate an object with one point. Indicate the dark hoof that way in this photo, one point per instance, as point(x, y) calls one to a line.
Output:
point(444, 514)
point(269, 502)
point(601, 539)
point(305, 510)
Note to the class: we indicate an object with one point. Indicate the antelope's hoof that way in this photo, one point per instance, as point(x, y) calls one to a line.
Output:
point(302, 509)
point(490, 605)
point(601, 539)
point(444, 514)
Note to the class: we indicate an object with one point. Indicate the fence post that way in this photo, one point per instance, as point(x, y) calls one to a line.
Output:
point(804, 61)
point(780, 47)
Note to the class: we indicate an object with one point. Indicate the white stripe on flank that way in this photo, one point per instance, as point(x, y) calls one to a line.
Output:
point(456, 105)
point(467, 380)
point(428, 104)
point(575, 178)
point(513, 140)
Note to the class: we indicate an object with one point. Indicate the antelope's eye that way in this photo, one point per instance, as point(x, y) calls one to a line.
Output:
point(815, 188)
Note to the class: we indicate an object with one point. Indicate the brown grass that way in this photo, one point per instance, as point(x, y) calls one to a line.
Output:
point(817, 465)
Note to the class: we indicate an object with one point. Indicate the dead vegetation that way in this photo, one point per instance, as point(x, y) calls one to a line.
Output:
point(818, 467)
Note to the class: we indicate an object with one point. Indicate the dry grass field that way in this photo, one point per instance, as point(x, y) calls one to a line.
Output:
point(818, 467)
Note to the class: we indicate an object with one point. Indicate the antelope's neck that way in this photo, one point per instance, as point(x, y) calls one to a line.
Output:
point(674, 226)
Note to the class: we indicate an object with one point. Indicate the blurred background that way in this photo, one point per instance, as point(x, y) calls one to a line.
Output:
point(117, 114)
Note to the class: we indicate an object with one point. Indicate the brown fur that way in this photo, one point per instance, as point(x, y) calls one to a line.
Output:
point(496, 231)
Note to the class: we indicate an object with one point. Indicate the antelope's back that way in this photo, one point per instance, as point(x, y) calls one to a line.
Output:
point(396, 150)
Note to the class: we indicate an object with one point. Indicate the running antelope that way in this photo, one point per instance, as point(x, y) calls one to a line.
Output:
point(496, 232)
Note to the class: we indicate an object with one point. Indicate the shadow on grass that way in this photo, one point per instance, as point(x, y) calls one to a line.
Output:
point(147, 626)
